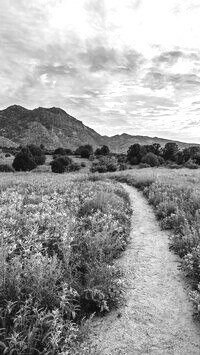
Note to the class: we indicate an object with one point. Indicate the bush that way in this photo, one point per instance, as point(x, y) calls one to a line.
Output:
point(63, 164)
point(104, 150)
point(83, 165)
point(123, 166)
point(24, 161)
point(73, 167)
point(144, 165)
point(59, 151)
point(84, 151)
point(7, 155)
point(150, 159)
point(60, 164)
point(6, 168)
point(37, 153)
point(191, 165)
point(174, 166)
point(105, 164)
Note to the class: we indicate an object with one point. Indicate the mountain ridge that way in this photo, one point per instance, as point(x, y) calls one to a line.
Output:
point(54, 128)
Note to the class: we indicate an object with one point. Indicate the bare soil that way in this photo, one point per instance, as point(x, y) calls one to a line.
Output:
point(157, 315)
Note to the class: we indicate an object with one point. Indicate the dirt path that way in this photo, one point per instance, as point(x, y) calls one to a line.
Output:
point(157, 317)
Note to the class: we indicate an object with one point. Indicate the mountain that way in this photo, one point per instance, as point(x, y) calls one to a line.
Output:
point(123, 141)
point(54, 128)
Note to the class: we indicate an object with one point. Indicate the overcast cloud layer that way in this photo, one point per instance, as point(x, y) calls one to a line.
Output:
point(118, 65)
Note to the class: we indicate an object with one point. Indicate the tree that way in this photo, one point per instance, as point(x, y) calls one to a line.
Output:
point(37, 153)
point(59, 151)
point(197, 158)
point(150, 159)
point(190, 153)
point(170, 150)
point(157, 149)
point(179, 157)
point(134, 154)
point(24, 161)
point(104, 150)
point(60, 164)
point(105, 164)
point(84, 151)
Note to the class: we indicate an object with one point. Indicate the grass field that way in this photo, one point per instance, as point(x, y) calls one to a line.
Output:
point(60, 234)
point(59, 237)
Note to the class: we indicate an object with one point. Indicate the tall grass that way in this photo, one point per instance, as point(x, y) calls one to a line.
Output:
point(59, 239)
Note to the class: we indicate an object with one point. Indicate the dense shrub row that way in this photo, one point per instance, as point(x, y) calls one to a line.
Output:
point(58, 242)
point(155, 155)
point(152, 155)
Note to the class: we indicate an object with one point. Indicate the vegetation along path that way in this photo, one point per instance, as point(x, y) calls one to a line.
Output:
point(157, 316)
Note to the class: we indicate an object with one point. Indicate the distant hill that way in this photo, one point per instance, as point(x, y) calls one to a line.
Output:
point(123, 141)
point(54, 128)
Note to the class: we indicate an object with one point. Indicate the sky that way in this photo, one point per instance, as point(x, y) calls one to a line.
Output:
point(119, 66)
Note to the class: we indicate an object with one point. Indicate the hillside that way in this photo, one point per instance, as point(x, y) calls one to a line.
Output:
point(123, 141)
point(54, 128)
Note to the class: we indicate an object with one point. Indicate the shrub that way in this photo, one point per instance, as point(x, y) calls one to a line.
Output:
point(73, 167)
point(63, 164)
point(59, 151)
point(191, 165)
point(150, 159)
point(84, 151)
point(105, 164)
point(174, 166)
point(24, 161)
point(123, 166)
point(83, 165)
point(144, 165)
point(104, 150)
point(60, 164)
point(6, 168)
point(7, 155)
point(161, 160)
point(134, 154)
point(37, 153)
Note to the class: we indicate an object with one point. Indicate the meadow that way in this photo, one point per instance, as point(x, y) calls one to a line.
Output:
point(60, 236)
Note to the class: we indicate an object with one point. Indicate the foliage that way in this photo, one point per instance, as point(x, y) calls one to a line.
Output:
point(84, 151)
point(37, 153)
point(191, 165)
point(134, 154)
point(170, 150)
point(6, 168)
point(60, 164)
point(59, 151)
point(58, 242)
point(104, 150)
point(144, 165)
point(150, 159)
point(105, 164)
point(24, 161)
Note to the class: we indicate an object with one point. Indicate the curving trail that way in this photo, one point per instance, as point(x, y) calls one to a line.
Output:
point(157, 317)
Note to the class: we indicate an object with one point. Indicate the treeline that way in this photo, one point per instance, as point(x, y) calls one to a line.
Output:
point(102, 160)
point(170, 154)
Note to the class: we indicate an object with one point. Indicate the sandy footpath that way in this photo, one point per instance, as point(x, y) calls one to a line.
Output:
point(157, 316)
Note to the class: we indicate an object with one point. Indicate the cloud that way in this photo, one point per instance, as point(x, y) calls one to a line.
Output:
point(117, 66)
